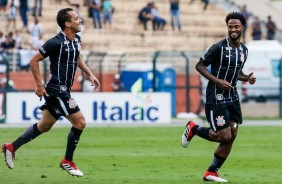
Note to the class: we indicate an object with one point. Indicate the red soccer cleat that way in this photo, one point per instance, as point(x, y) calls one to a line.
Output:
point(187, 134)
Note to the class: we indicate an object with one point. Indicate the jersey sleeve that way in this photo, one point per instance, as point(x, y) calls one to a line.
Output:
point(47, 48)
point(210, 55)
point(246, 56)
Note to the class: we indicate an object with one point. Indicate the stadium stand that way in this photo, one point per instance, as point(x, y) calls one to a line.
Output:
point(127, 33)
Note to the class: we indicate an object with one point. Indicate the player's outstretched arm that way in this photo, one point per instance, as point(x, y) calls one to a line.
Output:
point(81, 64)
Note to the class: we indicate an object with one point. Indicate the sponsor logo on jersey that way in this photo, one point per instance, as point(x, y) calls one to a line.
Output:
point(219, 97)
point(42, 50)
point(63, 88)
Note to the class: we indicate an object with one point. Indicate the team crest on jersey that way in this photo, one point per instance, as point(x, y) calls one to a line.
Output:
point(220, 120)
point(242, 57)
point(219, 97)
point(72, 103)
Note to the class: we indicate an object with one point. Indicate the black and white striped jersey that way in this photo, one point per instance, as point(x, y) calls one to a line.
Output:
point(63, 54)
point(225, 63)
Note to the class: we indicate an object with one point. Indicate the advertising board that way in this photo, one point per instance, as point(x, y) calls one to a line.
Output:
point(97, 107)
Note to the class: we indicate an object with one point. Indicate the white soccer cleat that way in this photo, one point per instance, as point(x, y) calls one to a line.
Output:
point(71, 168)
point(213, 176)
point(187, 134)
point(184, 141)
point(9, 155)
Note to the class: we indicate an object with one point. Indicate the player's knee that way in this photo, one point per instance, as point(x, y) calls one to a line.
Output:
point(225, 138)
point(81, 124)
point(44, 128)
point(234, 135)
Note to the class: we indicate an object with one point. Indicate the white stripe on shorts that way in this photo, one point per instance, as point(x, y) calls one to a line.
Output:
point(212, 122)
point(63, 106)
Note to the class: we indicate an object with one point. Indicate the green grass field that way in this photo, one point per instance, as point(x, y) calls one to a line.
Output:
point(143, 155)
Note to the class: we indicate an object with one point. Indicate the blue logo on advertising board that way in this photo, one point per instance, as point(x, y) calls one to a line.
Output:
point(124, 112)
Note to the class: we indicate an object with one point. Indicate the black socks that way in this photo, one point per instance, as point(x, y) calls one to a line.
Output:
point(73, 139)
point(202, 132)
point(30, 133)
point(216, 163)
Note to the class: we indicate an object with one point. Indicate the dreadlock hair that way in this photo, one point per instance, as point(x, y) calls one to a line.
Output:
point(236, 15)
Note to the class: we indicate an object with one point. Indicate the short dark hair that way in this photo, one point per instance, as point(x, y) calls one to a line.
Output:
point(236, 15)
point(63, 16)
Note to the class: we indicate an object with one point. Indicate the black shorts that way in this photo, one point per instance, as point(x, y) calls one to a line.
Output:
point(219, 115)
point(59, 106)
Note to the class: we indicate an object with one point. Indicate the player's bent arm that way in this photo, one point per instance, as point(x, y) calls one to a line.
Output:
point(202, 69)
point(242, 77)
point(247, 78)
point(34, 66)
point(222, 84)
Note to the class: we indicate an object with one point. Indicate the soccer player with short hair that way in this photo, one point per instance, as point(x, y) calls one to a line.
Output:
point(223, 112)
point(63, 51)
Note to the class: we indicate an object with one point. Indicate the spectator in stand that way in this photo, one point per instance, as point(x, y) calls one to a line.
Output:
point(145, 14)
point(37, 9)
point(95, 6)
point(175, 14)
point(117, 85)
point(23, 12)
point(2, 39)
point(107, 13)
point(158, 22)
point(18, 40)
point(247, 15)
point(35, 30)
point(256, 29)
point(8, 45)
point(36, 42)
point(270, 28)
point(206, 3)
point(86, 84)
point(3, 5)
point(13, 13)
